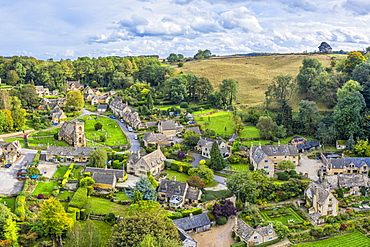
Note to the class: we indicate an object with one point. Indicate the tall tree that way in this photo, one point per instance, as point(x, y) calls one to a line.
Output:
point(238, 125)
point(19, 119)
point(309, 71)
point(217, 161)
point(353, 59)
point(349, 112)
point(266, 127)
point(243, 186)
point(4, 100)
point(9, 123)
point(308, 116)
point(98, 158)
point(280, 90)
point(361, 74)
point(54, 218)
point(87, 236)
point(203, 172)
point(28, 96)
point(228, 91)
point(175, 88)
point(146, 189)
point(75, 100)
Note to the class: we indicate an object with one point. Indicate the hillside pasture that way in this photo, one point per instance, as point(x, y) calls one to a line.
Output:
point(254, 74)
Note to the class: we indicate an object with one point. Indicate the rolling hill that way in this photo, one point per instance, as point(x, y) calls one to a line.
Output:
point(254, 74)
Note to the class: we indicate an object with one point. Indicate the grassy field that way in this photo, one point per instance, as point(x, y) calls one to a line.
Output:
point(60, 172)
point(254, 74)
point(64, 195)
point(9, 201)
point(221, 122)
point(105, 230)
point(121, 196)
point(44, 141)
point(44, 188)
point(182, 177)
point(239, 167)
point(46, 132)
point(104, 206)
point(281, 216)
point(213, 195)
point(110, 127)
point(353, 239)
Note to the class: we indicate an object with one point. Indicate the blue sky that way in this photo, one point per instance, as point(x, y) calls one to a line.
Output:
point(75, 28)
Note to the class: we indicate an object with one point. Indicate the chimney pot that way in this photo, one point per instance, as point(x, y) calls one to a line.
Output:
point(173, 178)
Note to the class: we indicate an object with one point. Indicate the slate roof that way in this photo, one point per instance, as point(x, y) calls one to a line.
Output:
point(323, 194)
point(346, 161)
point(172, 188)
point(278, 150)
point(153, 137)
point(102, 106)
point(191, 222)
point(245, 231)
point(233, 137)
point(347, 180)
point(308, 145)
point(152, 159)
point(192, 193)
point(258, 155)
point(264, 231)
point(195, 129)
point(168, 125)
point(76, 84)
point(150, 124)
point(118, 173)
point(104, 178)
point(315, 216)
point(73, 151)
point(185, 237)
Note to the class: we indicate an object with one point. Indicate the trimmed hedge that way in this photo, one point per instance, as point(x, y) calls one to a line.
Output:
point(20, 207)
point(36, 159)
point(168, 163)
point(222, 220)
point(68, 172)
point(194, 211)
point(75, 211)
point(240, 244)
point(79, 198)
point(175, 215)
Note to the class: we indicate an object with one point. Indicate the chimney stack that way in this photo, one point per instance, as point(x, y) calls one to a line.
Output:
point(173, 178)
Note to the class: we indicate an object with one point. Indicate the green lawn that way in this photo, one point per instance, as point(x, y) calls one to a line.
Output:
point(182, 177)
point(44, 188)
point(65, 195)
point(114, 133)
point(280, 217)
point(353, 239)
point(239, 167)
point(121, 196)
point(220, 122)
point(104, 229)
point(60, 172)
point(223, 175)
point(47, 132)
point(105, 206)
point(44, 141)
point(250, 132)
point(9, 201)
point(210, 195)
point(76, 170)
point(204, 111)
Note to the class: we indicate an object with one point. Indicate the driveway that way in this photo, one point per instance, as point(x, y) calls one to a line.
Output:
point(309, 166)
point(131, 181)
point(9, 184)
point(197, 159)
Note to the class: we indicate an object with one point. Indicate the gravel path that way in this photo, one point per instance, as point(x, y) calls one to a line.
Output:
point(309, 166)
point(218, 236)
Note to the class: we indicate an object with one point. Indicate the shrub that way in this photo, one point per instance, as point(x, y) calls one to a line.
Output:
point(175, 215)
point(194, 211)
point(283, 176)
point(168, 162)
point(79, 199)
point(234, 159)
point(211, 217)
point(83, 214)
point(20, 207)
point(40, 196)
point(75, 211)
point(222, 220)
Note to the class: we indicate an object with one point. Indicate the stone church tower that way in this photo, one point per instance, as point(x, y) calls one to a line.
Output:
point(73, 133)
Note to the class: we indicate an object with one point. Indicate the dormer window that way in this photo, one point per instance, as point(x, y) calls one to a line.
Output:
point(270, 232)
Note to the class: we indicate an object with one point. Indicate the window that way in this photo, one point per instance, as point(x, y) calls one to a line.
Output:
point(294, 162)
point(256, 243)
point(270, 232)
point(274, 157)
point(275, 163)
point(255, 237)
point(266, 161)
point(265, 167)
point(270, 238)
point(285, 157)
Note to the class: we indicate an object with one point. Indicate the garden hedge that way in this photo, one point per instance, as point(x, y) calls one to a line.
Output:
point(222, 220)
point(75, 211)
point(20, 207)
point(79, 198)
point(194, 211)
point(68, 172)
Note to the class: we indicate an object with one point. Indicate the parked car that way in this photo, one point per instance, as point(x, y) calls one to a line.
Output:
point(129, 128)
point(135, 137)
point(121, 120)
point(112, 117)
point(8, 165)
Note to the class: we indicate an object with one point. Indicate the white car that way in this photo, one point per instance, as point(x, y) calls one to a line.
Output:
point(135, 137)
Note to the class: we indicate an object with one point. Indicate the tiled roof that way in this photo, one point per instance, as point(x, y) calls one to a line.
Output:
point(168, 125)
point(118, 173)
point(73, 151)
point(308, 145)
point(191, 222)
point(104, 178)
point(346, 161)
point(153, 137)
point(172, 188)
point(195, 129)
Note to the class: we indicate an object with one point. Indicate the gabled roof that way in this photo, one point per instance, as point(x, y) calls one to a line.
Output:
point(195, 129)
point(102, 106)
point(323, 194)
point(185, 237)
point(191, 222)
point(277, 150)
point(346, 161)
point(153, 137)
point(73, 151)
point(172, 188)
point(104, 178)
point(168, 125)
point(118, 173)
point(153, 159)
point(308, 145)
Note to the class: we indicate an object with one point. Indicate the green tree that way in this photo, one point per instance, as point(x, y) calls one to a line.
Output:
point(2, 121)
point(172, 58)
point(308, 116)
point(353, 59)
point(286, 165)
point(12, 77)
point(280, 90)
point(87, 181)
point(98, 158)
point(98, 126)
point(243, 186)
point(132, 230)
point(203, 172)
point(349, 112)
point(75, 100)
point(217, 161)
point(195, 181)
point(190, 138)
point(87, 236)
point(175, 88)
point(159, 241)
point(238, 125)
point(311, 68)
point(146, 189)
point(11, 231)
point(54, 218)
point(8, 120)
point(5, 215)
point(228, 91)
point(19, 118)
point(152, 180)
point(154, 74)
point(266, 127)
point(281, 230)
point(361, 74)
point(28, 96)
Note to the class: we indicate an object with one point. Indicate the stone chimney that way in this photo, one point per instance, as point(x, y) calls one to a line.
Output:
point(191, 215)
point(173, 178)
point(259, 144)
point(279, 143)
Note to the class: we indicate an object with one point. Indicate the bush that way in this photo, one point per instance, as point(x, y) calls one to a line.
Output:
point(222, 220)
point(75, 211)
point(20, 207)
point(184, 105)
point(83, 214)
point(168, 163)
point(40, 196)
point(194, 211)
point(211, 217)
point(283, 176)
point(79, 199)
point(175, 215)
point(234, 159)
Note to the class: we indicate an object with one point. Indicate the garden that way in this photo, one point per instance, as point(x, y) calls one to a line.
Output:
point(353, 239)
point(284, 215)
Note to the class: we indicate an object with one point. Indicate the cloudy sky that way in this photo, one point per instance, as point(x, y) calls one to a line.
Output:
point(74, 28)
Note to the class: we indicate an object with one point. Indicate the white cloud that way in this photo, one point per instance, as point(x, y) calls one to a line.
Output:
point(240, 18)
point(358, 7)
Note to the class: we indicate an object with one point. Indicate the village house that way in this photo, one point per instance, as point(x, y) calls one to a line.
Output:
point(195, 129)
point(186, 239)
point(251, 236)
point(308, 146)
point(118, 173)
point(100, 100)
point(197, 223)
point(169, 128)
point(128, 114)
point(297, 140)
point(104, 180)
point(341, 144)
point(204, 146)
point(177, 193)
point(73, 133)
point(152, 139)
point(102, 108)
point(345, 165)
point(351, 183)
point(61, 102)
point(153, 162)
point(68, 154)
point(41, 91)
point(10, 151)
point(267, 156)
point(57, 115)
point(320, 201)
point(74, 85)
